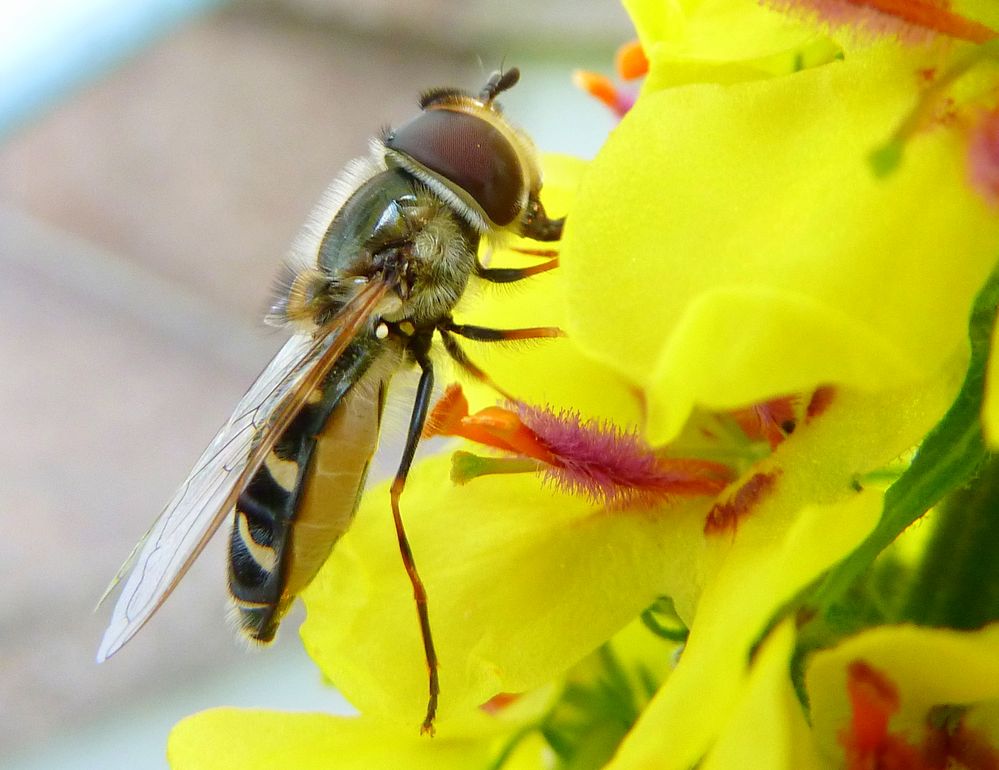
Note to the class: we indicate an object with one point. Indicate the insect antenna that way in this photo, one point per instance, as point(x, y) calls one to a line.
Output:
point(499, 82)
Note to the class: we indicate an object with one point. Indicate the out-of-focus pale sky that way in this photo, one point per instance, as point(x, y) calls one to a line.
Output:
point(48, 47)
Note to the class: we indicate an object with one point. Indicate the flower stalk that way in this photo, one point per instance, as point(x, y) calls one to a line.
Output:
point(957, 583)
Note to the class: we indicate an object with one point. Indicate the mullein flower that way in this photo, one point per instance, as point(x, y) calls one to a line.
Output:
point(747, 295)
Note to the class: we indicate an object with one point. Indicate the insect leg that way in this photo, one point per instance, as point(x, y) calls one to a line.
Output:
point(461, 358)
point(420, 405)
point(485, 334)
point(511, 274)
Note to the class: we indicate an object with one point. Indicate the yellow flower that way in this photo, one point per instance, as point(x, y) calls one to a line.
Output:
point(731, 247)
point(925, 698)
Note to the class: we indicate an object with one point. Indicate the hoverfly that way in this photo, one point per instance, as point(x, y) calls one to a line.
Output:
point(374, 277)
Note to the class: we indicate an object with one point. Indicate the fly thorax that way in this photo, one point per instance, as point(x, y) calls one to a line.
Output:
point(443, 258)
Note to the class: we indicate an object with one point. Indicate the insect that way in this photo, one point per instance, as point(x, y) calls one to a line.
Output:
point(369, 286)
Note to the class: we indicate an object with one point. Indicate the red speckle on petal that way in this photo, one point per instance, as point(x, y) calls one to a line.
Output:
point(983, 157)
point(725, 516)
point(819, 402)
point(499, 702)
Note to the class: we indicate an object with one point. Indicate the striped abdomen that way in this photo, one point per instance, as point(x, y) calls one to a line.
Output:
point(303, 498)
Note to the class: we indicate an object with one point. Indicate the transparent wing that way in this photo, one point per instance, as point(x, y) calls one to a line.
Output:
point(206, 498)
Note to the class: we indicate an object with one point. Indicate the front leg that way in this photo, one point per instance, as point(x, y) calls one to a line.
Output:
point(464, 362)
point(511, 274)
point(487, 334)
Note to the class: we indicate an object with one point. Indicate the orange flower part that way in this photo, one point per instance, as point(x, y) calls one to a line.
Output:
point(493, 426)
point(630, 61)
point(603, 88)
point(869, 744)
point(596, 459)
point(771, 420)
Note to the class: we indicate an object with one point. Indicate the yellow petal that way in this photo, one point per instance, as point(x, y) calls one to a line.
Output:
point(721, 41)
point(747, 216)
point(224, 738)
point(767, 728)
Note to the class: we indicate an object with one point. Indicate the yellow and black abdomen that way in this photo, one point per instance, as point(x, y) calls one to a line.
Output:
point(303, 498)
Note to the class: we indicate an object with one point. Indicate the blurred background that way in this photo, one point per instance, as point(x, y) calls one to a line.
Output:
point(156, 159)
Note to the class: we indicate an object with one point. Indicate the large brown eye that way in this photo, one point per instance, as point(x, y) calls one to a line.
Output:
point(468, 152)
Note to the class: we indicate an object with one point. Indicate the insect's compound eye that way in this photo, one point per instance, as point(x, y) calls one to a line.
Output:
point(468, 152)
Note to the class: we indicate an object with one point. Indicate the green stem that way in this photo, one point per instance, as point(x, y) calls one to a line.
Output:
point(957, 584)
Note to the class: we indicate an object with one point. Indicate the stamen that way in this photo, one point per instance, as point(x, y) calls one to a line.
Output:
point(595, 459)
point(466, 466)
point(603, 88)
point(445, 418)
point(770, 420)
point(630, 61)
point(493, 426)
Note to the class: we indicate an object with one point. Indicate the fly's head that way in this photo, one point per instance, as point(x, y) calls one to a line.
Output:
point(463, 147)
point(456, 172)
